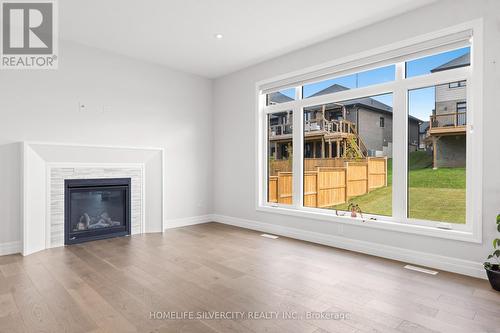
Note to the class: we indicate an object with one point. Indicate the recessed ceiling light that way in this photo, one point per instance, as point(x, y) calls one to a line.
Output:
point(218, 36)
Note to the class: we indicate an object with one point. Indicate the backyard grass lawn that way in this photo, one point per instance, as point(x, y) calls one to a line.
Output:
point(437, 195)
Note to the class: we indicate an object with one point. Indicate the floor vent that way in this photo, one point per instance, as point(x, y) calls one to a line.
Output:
point(421, 270)
point(269, 236)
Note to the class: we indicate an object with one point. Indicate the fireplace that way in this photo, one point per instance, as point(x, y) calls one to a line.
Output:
point(96, 209)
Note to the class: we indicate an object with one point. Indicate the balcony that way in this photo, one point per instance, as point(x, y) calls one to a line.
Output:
point(342, 133)
point(315, 127)
point(281, 131)
point(448, 123)
point(329, 128)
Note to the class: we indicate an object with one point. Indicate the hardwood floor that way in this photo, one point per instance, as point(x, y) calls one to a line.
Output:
point(122, 284)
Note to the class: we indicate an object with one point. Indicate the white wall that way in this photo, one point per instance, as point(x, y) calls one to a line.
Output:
point(235, 132)
point(144, 105)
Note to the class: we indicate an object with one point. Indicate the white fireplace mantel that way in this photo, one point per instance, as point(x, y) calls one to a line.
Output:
point(45, 165)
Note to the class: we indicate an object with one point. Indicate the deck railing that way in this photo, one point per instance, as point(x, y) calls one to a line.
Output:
point(454, 119)
point(335, 126)
point(278, 130)
point(331, 126)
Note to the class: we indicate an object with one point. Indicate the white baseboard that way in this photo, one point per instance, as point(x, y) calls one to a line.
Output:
point(450, 264)
point(444, 263)
point(183, 222)
point(10, 248)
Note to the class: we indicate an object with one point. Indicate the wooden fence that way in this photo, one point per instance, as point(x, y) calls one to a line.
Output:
point(276, 166)
point(330, 186)
point(280, 188)
point(310, 164)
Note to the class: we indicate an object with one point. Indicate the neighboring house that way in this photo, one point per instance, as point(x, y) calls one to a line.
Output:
point(447, 127)
point(280, 130)
point(423, 133)
point(336, 129)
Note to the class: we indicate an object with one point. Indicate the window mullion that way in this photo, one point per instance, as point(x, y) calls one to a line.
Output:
point(400, 139)
point(298, 180)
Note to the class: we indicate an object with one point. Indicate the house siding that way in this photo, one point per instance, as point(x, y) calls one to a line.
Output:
point(377, 138)
point(369, 129)
point(447, 98)
point(451, 152)
point(445, 93)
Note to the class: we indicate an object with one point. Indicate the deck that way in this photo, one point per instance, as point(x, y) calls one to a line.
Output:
point(448, 124)
point(449, 130)
point(341, 133)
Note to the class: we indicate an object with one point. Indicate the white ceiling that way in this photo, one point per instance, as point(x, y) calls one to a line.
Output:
point(180, 33)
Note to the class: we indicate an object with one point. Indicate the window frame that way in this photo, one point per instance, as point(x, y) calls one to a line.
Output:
point(459, 84)
point(471, 231)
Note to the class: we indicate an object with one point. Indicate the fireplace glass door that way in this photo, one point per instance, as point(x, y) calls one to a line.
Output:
point(96, 209)
point(93, 209)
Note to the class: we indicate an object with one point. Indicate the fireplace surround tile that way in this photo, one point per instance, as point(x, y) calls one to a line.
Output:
point(56, 195)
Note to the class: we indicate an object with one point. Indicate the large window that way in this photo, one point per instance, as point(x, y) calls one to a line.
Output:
point(389, 142)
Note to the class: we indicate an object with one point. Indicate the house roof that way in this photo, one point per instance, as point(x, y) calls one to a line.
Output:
point(462, 61)
point(369, 102)
point(424, 126)
point(330, 89)
point(278, 97)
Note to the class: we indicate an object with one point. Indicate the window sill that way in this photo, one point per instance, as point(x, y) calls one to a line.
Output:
point(430, 231)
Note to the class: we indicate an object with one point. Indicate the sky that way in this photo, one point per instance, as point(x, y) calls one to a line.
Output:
point(421, 101)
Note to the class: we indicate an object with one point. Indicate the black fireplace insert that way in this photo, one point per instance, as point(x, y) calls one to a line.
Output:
point(96, 209)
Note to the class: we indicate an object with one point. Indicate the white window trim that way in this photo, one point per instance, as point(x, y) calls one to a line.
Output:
point(472, 230)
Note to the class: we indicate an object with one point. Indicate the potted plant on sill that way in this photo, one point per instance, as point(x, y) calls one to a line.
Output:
point(493, 269)
point(354, 209)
